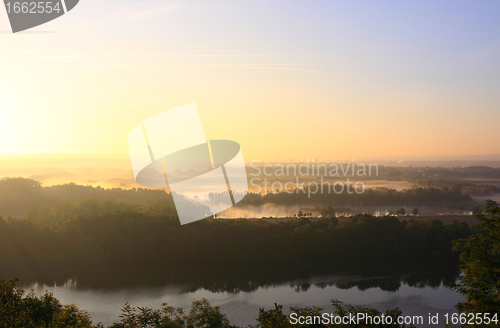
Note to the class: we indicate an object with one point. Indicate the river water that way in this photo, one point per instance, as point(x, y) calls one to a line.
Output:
point(416, 290)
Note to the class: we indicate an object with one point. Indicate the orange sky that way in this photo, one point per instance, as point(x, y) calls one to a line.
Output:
point(308, 82)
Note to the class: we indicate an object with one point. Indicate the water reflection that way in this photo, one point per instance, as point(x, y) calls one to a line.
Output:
point(233, 280)
point(240, 292)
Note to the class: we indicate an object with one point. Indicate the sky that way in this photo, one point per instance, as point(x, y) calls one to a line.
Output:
point(286, 79)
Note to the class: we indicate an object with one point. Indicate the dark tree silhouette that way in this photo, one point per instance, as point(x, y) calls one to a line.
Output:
point(480, 257)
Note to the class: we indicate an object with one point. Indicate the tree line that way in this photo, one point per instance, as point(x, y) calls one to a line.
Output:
point(21, 197)
point(17, 195)
point(480, 283)
point(112, 233)
point(374, 196)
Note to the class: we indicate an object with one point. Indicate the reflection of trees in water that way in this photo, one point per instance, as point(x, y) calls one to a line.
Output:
point(391, 280)
point(390, 284)
point(302, 288)
point(393, 283)
point(242, 279)
point(421, 280)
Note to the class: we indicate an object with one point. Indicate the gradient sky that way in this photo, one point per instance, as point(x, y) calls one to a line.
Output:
point(286, 79)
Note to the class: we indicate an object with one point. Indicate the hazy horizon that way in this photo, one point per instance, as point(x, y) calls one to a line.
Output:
point(110, 171)
point(322, 156)
point(326, 80)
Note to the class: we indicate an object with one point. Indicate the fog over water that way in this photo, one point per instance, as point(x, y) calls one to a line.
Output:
point(483, 199)
point(281, 211)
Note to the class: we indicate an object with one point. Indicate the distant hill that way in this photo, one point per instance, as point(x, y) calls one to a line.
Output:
point(491, 160)
point(19, 194)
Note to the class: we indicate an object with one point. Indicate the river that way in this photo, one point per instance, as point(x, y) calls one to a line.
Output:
point(417, 290)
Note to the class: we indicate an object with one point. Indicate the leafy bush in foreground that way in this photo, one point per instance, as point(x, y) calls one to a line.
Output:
point(30, 311)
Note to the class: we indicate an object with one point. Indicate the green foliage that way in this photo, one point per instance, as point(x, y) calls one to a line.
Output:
point(118, 238)
point(458, 187)
point(328, 212)
point(376, 196)
point(166, 317)
point(345, 310)
point(477, 210)
point(25, 197)
point(30, 311)
point(276, 318)
point(414, 211)
point(480, 257)
point(21, 197)
point(202, 315)
point(272, 318)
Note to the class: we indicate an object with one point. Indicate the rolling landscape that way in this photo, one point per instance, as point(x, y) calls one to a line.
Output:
point(257, 164)
point(89, 240)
